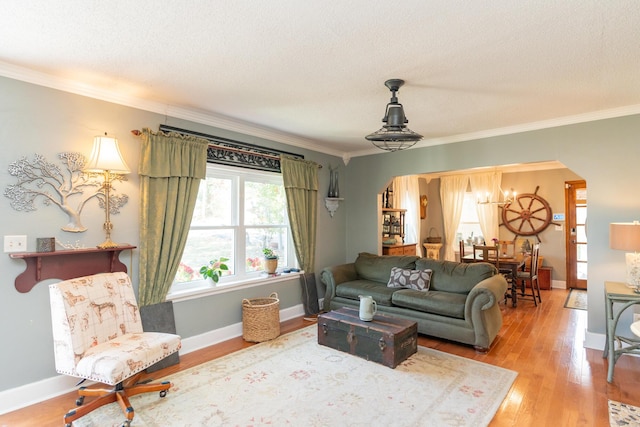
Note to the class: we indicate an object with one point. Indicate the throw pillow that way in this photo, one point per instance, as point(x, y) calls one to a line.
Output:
point(414, 279)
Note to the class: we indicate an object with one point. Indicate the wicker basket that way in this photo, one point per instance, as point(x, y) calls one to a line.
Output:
point(433, 238)
point(261, 318)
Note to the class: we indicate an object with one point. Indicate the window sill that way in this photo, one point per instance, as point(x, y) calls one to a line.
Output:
point(202, 290)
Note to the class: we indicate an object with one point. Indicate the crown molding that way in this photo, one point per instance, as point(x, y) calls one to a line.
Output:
point(526, 127)
point(246, 128)
point(206, 118)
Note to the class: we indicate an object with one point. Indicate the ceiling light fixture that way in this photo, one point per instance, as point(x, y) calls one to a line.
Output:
point(508, 198)
point(394, 134)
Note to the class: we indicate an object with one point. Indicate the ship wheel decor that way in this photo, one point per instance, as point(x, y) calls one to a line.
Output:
point(528, 215)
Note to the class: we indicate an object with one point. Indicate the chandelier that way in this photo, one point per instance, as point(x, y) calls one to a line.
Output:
point(507, 198)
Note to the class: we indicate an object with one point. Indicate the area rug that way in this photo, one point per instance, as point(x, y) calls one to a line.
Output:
point(293, 381)
point(621, 414)
point(576, 299)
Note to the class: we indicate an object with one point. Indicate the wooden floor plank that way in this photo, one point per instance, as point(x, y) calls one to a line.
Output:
point(559, 382)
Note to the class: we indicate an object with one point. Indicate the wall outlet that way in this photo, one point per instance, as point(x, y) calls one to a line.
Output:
point(15, 243)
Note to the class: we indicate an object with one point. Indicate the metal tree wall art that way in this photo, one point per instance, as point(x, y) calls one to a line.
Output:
point(68, 187)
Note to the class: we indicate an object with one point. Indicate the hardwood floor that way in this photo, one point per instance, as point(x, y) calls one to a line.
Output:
point(559, 382)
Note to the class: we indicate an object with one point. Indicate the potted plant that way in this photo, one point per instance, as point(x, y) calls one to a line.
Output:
point(214, 269)
point(270, 260)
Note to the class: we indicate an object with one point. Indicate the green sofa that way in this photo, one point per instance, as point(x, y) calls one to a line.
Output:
point(461, 303)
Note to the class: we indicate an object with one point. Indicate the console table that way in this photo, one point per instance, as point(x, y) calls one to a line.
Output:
point(404, 249)
point(616, 292)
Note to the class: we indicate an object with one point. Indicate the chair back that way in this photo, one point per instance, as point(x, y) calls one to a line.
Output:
point(88, 311)
point(487, 253)
point(507, 248)
point(461, 250)
point(535, 260)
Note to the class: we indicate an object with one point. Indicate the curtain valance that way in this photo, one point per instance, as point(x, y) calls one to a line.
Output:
point(172, 155)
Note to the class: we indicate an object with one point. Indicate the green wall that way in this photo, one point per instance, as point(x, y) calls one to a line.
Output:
point(34, 119)
point(605, 153)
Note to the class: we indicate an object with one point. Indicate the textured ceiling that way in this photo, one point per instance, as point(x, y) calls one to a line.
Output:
point(311, 73)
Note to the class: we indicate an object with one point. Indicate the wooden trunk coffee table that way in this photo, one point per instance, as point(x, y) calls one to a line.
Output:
point(387, 340)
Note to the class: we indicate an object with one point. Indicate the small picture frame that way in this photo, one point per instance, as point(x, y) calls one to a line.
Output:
point(45, 244)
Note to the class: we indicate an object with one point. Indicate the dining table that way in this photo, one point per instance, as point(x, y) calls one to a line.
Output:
point(512, 263)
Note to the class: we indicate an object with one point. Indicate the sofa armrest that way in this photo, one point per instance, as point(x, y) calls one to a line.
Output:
point(486, 293)
point(333, 276)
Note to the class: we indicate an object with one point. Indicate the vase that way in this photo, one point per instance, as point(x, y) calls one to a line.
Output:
point(333, 184)
point(270, 265)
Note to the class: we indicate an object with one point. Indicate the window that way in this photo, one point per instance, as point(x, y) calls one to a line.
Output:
point(469, 227)
point(238, 213)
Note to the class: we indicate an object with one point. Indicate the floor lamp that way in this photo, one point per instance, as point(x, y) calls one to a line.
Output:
point(625, 236)
point(106, 159)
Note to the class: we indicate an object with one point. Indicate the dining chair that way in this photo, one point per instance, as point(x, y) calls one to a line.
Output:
point(98, 335)
point(487, 253)
point(507, 248)
point(461, 250)
point(528, 279)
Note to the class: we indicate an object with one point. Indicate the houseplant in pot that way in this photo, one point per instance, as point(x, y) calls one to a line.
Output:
point(214, 269)
point(270, 260)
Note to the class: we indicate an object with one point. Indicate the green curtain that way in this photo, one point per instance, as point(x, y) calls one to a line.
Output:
point(301, 188)
point(171, 167)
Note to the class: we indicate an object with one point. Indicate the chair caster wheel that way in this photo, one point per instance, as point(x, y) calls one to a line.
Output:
point(67, 425)
point(163, 393)
point(126, 423)
point(80, 401)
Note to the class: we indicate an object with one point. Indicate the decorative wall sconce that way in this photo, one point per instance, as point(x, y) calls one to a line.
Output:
point(625, 236)
point(107, 159)
point(332, 202)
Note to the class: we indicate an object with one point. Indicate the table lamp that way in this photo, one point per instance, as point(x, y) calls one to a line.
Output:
point(106, 158)
point(625, 236)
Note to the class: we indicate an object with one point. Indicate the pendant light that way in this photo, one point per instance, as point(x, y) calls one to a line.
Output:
point(394, 134)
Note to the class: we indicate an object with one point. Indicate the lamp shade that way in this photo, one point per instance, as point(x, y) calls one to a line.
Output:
point(106, 156)
point(625, 236)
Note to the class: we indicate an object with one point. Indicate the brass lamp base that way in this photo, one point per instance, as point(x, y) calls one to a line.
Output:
point(107, 244)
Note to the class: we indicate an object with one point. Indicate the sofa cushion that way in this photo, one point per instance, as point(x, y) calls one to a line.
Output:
point(456, 277)
point(407, 278)
point(378, 267)
point(435, 302)
point(380, 292)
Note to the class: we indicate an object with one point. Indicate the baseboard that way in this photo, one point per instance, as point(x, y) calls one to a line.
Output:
point(558, 284)
point(32, 393)
point(594, 341)
point(48, 388)
point(217, 336)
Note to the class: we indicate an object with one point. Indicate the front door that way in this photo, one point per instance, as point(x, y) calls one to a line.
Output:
point(576, 233)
